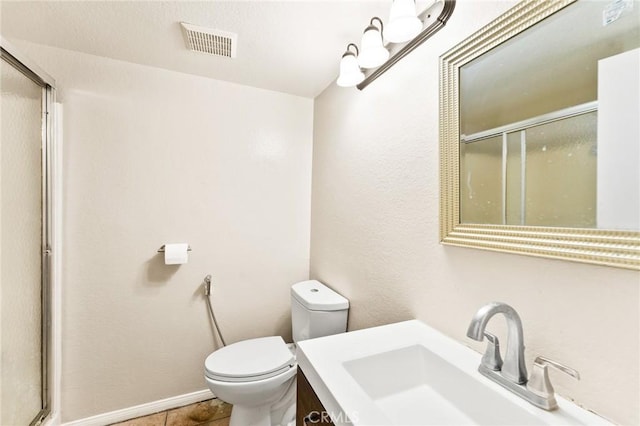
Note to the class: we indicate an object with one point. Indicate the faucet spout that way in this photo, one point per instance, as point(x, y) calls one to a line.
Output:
point(513, 368)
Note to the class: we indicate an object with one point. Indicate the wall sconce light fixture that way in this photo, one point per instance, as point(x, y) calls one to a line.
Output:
point(404, 32)
point(350, 73)
point(404, 23)
point(373, 52)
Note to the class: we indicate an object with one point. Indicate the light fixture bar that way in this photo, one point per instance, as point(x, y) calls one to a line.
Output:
point(400, 50)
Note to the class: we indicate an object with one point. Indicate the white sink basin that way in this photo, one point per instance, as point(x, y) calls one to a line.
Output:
point(409, 374)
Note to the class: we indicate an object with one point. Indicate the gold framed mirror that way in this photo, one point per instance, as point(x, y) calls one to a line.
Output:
point(513, 112)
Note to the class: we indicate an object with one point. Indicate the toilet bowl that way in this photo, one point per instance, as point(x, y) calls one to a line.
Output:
point(253, 375)
point(258, 376)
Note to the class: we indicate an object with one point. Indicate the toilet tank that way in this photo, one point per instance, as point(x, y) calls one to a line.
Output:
point(317, 311)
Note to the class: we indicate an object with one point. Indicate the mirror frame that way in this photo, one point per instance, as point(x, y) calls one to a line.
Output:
point(588, 245)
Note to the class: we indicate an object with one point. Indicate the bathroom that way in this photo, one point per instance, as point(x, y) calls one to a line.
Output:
point(273, 175)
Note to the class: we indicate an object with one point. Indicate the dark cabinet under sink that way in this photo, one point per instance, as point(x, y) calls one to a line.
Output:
point(309, 409)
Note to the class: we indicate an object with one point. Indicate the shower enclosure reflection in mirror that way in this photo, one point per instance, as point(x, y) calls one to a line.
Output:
point(539, 150)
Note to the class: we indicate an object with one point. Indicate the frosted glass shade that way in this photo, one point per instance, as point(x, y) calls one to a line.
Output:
point(350, 73)
point(372, 52)
point(404, 23)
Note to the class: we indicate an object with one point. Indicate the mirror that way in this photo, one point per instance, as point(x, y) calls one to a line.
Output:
point(540, 136)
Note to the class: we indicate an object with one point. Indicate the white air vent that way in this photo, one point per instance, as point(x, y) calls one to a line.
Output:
point(207, 40)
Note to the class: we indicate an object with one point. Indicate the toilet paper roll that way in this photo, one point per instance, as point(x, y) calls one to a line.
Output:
point(176, 254)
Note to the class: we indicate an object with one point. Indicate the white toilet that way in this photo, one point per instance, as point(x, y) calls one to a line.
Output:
point(258, 375)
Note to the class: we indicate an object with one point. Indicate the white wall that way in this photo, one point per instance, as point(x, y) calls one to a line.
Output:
point(150, 157)
point(375, 237)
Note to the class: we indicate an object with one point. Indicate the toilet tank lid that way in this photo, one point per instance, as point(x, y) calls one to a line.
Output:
point(316, 296)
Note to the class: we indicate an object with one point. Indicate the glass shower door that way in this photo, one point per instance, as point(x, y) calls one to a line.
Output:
point(23, 255)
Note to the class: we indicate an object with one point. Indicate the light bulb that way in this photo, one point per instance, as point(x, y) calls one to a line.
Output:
point(404, 23)
point(350, 73)
point(373, 53)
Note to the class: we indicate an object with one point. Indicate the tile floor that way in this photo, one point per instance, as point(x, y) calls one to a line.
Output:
point(212, 412)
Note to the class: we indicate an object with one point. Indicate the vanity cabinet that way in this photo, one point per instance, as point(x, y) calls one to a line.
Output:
point(309, 409)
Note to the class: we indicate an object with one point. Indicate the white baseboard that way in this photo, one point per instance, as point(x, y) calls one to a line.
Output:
point(52, 420)
point(143, 409)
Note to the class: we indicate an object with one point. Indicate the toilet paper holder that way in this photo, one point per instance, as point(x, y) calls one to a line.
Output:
point(161, 249)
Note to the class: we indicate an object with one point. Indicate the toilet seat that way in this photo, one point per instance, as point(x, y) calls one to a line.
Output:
point(250, 360)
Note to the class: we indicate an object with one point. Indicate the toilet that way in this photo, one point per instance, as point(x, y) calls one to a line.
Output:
point(258, 376)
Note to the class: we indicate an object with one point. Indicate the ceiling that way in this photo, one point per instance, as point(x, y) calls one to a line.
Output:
point(288, 46)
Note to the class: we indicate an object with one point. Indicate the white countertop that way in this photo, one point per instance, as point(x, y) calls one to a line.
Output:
point(323, 362)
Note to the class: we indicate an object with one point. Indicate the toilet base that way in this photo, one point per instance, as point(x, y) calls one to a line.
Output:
point(280, 413)
point(254, 416)
point(262, 416)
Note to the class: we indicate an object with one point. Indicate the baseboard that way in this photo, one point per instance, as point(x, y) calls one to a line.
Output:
point(143, 409)
point(52, 420)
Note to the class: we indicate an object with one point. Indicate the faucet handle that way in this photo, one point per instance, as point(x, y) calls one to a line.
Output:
point(539, 381)
point(491, 358)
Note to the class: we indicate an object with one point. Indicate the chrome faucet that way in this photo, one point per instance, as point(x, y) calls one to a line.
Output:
point(513, 367)
point(512, 372)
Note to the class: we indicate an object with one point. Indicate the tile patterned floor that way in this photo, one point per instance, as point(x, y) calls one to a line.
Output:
point(212, 412)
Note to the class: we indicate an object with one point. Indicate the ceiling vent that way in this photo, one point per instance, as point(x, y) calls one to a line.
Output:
point(207, 40)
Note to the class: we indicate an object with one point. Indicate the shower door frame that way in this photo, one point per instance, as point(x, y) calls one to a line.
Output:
point(32, 71)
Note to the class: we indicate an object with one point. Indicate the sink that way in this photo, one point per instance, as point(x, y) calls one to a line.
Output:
point(407, 373)
point(407, 383)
